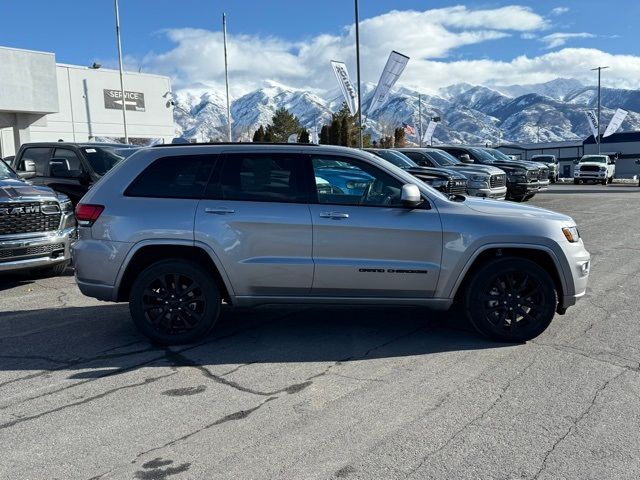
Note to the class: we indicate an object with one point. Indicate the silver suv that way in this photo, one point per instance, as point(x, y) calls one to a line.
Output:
point(174, 230)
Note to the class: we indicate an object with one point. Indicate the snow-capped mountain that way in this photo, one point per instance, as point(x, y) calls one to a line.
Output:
point(551, 111)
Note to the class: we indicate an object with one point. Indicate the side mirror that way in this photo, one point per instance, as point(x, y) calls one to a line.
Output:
point(575, 162)
point(465, 158)
point(638, 162)
point(29, 169)
point(410, 195)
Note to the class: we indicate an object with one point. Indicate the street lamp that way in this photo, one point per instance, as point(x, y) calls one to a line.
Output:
point(124, 101)
point(599, 69)
point(358, 72)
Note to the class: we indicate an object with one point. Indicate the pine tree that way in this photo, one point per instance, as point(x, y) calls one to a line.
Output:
point(398, 137)
point(303, 136)
point(283, 124)
point(345, 132)
point(258, 136)
point(268, 134)
point(324, 135)
point(334, 132)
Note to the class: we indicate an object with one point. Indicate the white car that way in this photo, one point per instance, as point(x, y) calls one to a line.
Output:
point(594, 168)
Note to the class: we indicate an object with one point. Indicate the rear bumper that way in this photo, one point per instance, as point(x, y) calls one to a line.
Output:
point(36, 252)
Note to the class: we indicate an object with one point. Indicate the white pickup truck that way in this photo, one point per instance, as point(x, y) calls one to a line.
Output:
point(594, 168)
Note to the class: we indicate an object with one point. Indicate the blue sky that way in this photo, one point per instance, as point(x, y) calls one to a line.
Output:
point(80, 32)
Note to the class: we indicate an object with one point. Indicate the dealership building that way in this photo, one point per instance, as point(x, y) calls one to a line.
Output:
point(624, 146)
point(44, 101)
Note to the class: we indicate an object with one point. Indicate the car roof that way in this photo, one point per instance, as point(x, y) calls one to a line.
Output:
point(78, 144)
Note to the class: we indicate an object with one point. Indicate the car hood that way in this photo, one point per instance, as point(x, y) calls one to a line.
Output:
point(515, 166)
point(16, 190)
point(471, 169)
point(437, 172)
point(509, 209)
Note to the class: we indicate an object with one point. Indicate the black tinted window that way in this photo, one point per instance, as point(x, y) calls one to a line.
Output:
point(418, 158)
point(173, 177)
point(39, 155)
point(260, 177)
point(65, 163)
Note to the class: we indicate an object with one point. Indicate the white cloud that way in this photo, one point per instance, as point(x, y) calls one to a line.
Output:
point(559, 39)
point(528, 36)
point(428, 37)
point(559, 11)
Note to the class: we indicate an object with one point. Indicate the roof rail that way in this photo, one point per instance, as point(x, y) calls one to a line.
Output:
point(235, 143)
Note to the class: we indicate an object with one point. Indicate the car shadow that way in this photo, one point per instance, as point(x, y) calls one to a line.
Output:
point(98, 341)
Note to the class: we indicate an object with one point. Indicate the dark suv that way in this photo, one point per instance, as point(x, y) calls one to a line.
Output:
point(69, 168)
point(523, 178)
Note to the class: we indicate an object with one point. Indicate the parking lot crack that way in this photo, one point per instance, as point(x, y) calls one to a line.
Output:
point(473, 421)
point(239, 415)
point(574, 425)
point(146, 381)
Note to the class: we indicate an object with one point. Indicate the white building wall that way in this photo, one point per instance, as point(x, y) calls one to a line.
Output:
point(82, 115)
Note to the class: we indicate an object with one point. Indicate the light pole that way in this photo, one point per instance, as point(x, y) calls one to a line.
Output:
point(124, 100)
point(358, 72)
point(420, 119)
point(599, 69)
point(226, 75)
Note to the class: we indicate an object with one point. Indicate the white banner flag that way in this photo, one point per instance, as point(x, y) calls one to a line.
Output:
point(293, 138)
point(348, 90)
point(615, 122)
point(429, 132)
point(392, 71)
point(592, 120)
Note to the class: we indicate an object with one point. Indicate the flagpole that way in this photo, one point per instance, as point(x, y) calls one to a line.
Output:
point(226, 75)
point(599, 69)
point(124, 101)
point(358, 72)
point(420, 119)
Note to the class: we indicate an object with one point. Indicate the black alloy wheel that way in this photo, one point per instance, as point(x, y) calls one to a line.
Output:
point(174, 302)
point(511, 299)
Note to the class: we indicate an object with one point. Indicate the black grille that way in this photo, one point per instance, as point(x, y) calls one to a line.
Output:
point(497, 181)
point(456, 187)
point(533, 175)
point(589, 168)
point(30, 251)
point(20, 222)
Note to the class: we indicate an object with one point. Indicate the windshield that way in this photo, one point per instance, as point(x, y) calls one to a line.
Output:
point(594, 158)
point(483, 155)
point(443, 158)
point(103, 159)
point(498, 155)
point(397, 158)
point(5, 171)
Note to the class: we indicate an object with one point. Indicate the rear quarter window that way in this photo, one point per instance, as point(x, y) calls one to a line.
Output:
point(174, 177)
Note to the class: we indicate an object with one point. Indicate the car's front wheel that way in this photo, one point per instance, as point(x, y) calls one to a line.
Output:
point(511, 299)
point(174, 302)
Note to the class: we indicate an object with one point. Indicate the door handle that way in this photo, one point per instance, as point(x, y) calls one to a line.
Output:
point(334, 215)
point(219, 211)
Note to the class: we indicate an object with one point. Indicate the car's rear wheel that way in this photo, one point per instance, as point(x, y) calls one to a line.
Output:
point(174, 302)
point(511, 300)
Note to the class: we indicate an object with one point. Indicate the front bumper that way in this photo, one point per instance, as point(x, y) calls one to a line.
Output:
point(498, 193)
point(46, 250)
point(590, 175)
point(520, 189)
point(576, 273)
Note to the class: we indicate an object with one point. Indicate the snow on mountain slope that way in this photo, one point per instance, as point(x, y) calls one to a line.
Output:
point(551, 111)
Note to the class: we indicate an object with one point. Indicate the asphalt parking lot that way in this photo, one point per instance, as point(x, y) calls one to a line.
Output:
point(319, 393)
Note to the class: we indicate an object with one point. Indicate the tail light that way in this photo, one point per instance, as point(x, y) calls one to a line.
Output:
point(88, 214)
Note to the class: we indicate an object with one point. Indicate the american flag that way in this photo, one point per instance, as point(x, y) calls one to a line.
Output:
point(408, 129)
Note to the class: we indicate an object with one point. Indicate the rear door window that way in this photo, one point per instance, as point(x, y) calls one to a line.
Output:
point(174, 177)
point(261, 177)
point(419, 158)
point(65, 163)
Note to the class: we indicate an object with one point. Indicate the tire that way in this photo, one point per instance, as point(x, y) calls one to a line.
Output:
point(510, 288)
point(576, 181)
point(605, 181)
point(163, 313)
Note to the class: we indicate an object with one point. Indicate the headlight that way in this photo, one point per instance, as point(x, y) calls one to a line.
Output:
point(66, 206)
point(438, 182)
point(571, 234)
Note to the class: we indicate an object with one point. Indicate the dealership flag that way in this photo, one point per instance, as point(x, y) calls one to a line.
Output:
point(615, 122)
point(593, 123)
point(348, 90)
point(429, 132)
point(392, 71)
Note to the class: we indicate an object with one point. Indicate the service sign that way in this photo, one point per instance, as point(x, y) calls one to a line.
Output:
point(133, 100)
